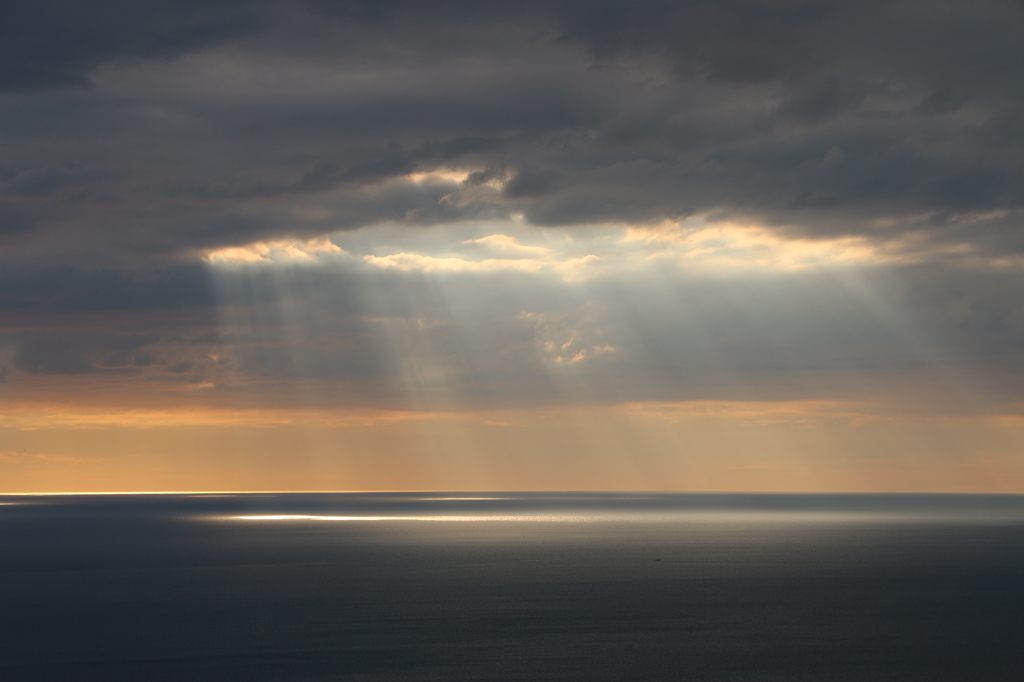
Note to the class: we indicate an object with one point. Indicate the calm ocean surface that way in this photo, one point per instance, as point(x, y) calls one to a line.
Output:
point(511, 586)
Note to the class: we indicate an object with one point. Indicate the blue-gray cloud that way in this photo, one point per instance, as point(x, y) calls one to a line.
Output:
point(56, 43)
point(139, 137)
point(159, 130)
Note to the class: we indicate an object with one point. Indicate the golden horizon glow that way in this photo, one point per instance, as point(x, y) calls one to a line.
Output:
point(707, 446)
point(270, 407)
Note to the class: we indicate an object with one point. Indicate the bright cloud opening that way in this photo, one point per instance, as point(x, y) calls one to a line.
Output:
point(279, 251)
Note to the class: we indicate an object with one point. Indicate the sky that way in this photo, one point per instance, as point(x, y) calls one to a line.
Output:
point(730, 245)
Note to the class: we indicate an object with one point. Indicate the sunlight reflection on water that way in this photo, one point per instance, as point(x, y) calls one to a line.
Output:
point(641, 517)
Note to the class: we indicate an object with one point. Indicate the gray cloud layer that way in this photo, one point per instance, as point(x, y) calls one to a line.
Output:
point(137, 135)
point(152, 130)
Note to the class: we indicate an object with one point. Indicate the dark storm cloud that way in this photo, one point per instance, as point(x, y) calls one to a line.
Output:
point(54, 43)
point(66, 321)
point(64, 290)
point(157, 129)
point(138, 136)
point(180, 351)
point(75, 352)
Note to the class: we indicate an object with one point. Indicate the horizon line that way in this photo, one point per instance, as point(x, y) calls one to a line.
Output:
point(466, 491)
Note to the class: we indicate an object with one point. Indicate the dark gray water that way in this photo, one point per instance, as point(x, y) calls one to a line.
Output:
point(530, 586)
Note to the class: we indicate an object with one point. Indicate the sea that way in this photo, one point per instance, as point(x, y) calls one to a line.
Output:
point(511, 586)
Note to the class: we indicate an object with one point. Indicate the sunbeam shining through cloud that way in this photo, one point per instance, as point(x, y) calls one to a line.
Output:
point(358, 246)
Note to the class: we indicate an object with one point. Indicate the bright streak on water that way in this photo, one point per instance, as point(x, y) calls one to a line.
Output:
point(691, 517)
point(427, 499)
point(311, 517)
